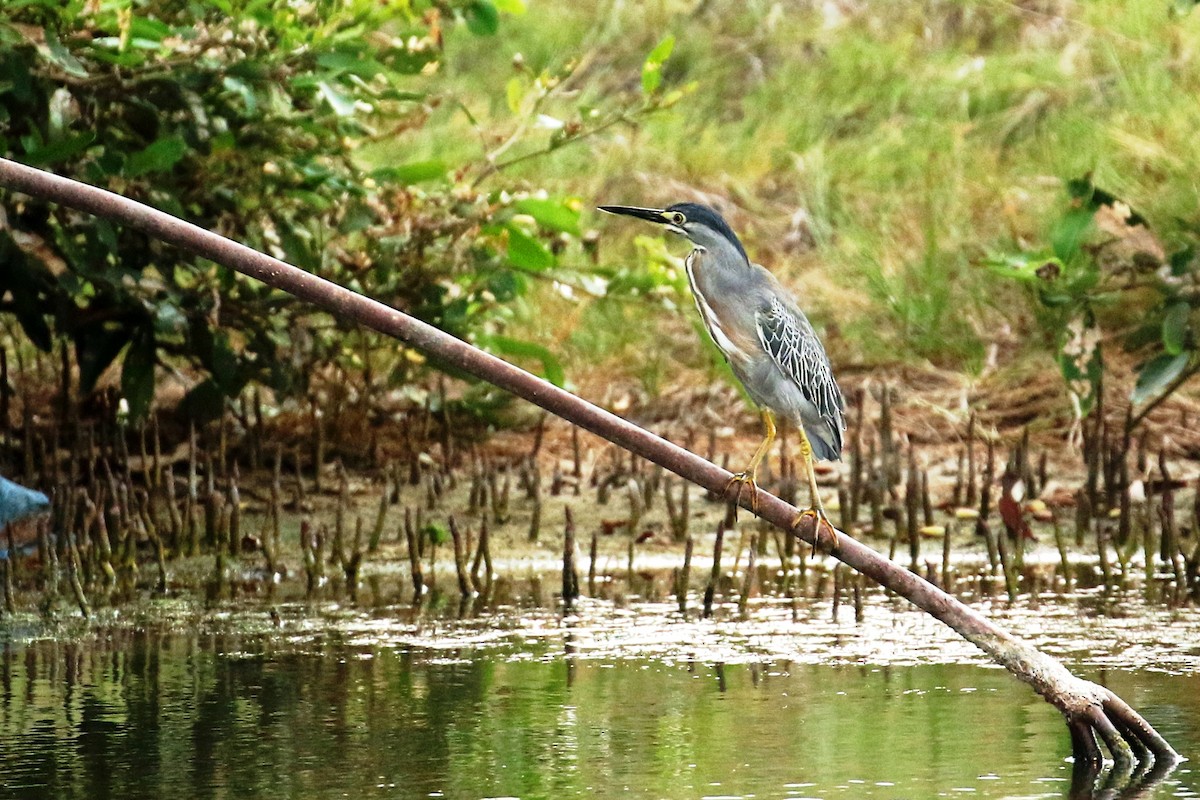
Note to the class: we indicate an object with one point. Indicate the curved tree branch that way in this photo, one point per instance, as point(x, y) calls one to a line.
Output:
point(1091, 710)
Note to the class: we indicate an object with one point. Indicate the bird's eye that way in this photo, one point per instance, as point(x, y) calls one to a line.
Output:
point(678, 219)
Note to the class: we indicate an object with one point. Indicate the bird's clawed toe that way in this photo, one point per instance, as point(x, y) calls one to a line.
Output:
point(825, 535)
point(743, 480)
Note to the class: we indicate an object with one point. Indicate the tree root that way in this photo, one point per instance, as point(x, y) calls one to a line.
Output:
point(1136, 775)
point(1096, 716)
point(1127, 736)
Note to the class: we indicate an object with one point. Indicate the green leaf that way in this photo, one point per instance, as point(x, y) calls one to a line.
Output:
point(412, 172)
point(1056, 299)
point(169, 319)
point(137, 374)
point(1181, 261)
point(1175, 327)
point(1159, 373)
point(297, 248)
point(482, 18)
point(341, 104)
point(149, 29)
point(652, 66)
point(651, 77)
point(437, 534)
point(353, 63)
point(242, 90)
point(159, 156)
point(1027, 267)
point(514, 93)
point(551, 214)
point(526, 252)
point(506, 285)
point(56, 53)
point(1145, 335)
point(224, 364)
point(514, 7)
point(59, 150)
point(552, 368)
point(1068, 234)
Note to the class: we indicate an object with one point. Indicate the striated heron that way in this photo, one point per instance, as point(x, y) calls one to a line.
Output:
point(765, 337)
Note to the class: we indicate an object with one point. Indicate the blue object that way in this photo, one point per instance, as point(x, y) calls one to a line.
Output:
point(18, 503)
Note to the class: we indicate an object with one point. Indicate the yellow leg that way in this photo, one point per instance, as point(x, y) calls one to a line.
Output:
point(807, 454)
point(764, 447)
point(823, 525)
point(749, 475)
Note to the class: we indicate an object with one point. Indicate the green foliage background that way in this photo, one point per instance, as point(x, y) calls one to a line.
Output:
point(248, 118)
point(884, 159)
point(907, 169)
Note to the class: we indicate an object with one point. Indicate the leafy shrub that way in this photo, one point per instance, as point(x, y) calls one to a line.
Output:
point(247, 119)
point(1112, 281)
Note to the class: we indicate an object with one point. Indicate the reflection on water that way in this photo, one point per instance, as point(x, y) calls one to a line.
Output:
point(153, 715)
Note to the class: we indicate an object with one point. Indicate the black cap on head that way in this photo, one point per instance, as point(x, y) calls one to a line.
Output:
point(710, 218)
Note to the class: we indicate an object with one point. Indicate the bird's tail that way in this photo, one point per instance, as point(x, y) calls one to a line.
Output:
point(826, 440)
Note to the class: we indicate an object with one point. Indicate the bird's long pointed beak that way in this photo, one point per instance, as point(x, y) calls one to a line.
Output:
point(656, 215)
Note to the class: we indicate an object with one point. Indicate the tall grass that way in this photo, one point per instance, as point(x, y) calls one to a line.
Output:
point(871, 154)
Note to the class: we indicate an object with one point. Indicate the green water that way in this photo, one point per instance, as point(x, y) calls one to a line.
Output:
point(325, 713)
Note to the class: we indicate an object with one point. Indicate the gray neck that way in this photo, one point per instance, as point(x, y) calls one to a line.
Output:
point(719, 250)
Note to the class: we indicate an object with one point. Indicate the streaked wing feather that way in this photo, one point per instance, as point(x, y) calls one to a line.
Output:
point(799, 354)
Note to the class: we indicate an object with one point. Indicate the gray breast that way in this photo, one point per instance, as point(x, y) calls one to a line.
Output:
point(717, 299)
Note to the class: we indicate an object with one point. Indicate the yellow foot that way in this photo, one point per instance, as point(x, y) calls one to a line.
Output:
point(744, 479)
point(823, 531)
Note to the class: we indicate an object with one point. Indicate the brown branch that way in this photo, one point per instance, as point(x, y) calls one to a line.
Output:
point(1090, 709)
point(494, 167)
